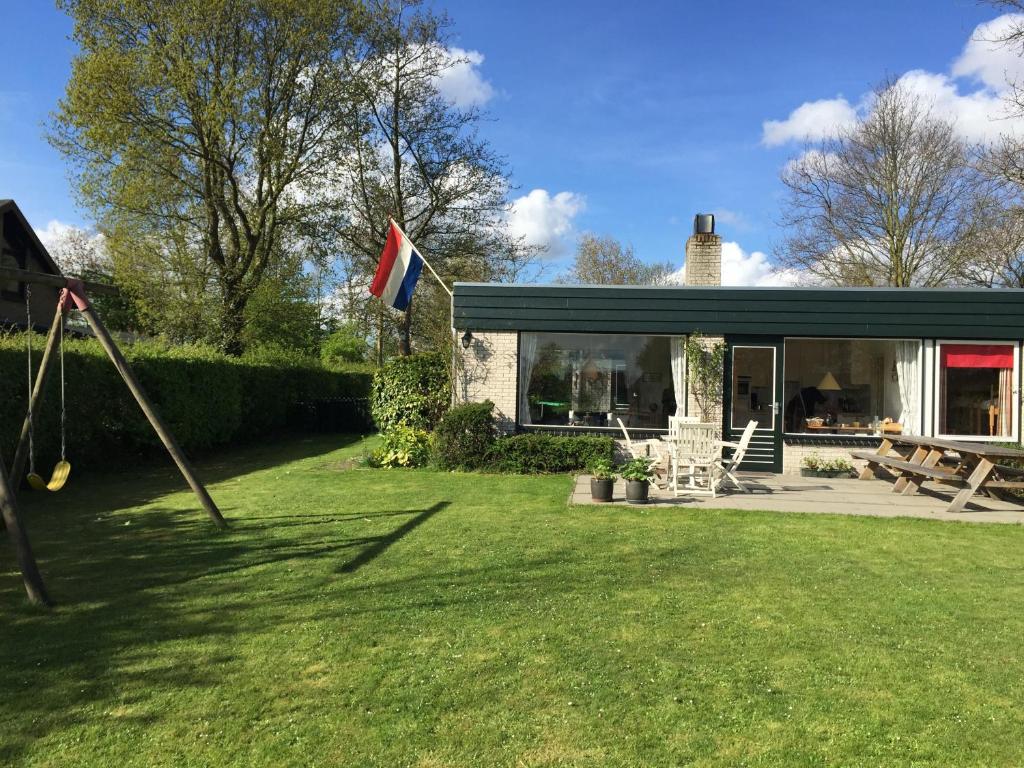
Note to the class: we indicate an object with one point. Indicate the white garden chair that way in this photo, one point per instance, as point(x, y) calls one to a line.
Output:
point(708, 476)
point(645, 449)
point(691, 445)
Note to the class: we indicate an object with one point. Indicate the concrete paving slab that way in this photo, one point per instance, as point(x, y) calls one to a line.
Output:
point(840, 496)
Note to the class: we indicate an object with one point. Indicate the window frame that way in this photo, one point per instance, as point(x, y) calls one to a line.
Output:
point(936, 374)
point(922, 385)
point(586, 428)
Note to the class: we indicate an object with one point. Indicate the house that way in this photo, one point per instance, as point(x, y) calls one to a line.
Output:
point(20, 249)
point(819, 369)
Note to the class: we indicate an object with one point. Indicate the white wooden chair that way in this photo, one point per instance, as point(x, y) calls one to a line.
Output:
point(728, 467)
point(710, 475)
point(645, 449)
point(692, 444)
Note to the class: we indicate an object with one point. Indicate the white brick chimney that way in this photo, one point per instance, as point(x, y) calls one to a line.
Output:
point(703, 253)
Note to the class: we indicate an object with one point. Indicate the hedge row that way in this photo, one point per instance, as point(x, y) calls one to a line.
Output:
point(466, 438)
point(207, 399)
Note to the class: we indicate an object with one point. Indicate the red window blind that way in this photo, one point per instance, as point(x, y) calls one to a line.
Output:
point(977, 356)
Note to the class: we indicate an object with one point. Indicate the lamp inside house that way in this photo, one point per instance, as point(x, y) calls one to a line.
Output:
point(828, 383)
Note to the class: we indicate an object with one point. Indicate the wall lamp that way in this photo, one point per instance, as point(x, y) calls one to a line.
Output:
point(467, 339)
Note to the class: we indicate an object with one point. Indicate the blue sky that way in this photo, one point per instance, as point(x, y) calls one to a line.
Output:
point(613, 120)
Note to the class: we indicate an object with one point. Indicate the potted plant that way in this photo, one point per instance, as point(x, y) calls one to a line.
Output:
point(637, 473)
point(816, 466)
point(602, 480)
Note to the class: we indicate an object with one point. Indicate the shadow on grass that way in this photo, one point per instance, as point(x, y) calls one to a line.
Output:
point(125, 486)
point(155, 604)
point(381, 543)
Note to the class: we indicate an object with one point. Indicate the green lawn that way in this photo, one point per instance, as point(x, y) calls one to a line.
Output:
point(413, 618)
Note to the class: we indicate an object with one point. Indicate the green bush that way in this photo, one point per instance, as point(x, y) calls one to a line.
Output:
point(464, 436)
point(343, 346)
point(207, 399)
point(403, 446)
point(533, 452)
point(413, 391)
point(637, 470)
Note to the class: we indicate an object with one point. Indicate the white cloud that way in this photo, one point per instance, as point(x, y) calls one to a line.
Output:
point(754, 268)
point(811, 121)
point(744, 269)
point(461, 84)
point(989, 62)
point(73, 248)
point(976, 107)
point(545, 220)
point(976, 116)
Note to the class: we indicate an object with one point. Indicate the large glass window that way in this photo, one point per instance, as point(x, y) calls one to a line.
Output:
point(590, 380)
point(976, 390)
point(852, 386)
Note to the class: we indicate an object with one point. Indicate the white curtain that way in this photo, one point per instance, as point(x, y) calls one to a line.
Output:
point(678, 347)
point(908, 373)
point(527, 359)
point(1002, 419)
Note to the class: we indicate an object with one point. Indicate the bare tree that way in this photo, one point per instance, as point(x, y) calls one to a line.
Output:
point(420, 161)
point(603, 260)
point(892, 200)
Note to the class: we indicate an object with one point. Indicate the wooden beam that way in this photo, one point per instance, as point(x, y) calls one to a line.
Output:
point(165, 435)
point(54, 281)
point(21, 453)
point(19, 540)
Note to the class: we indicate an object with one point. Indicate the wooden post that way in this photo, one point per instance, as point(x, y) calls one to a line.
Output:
point(21, 453)
point(103, 335)
point(19, 540)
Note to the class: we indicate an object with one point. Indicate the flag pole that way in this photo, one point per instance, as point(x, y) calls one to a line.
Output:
point(436, 277)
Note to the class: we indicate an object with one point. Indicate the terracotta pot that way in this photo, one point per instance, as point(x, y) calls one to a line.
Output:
point(601, 490)
point(637, 490)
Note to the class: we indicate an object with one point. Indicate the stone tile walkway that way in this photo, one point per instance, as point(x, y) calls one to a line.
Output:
point(841, 496)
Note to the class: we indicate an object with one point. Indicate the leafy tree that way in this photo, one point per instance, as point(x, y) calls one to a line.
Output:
point(194, 127)
point(419, 160)
point(345, 345)
point(892, 200)
point(603, 260)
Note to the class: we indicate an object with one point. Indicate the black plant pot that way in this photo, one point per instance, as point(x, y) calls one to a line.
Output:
point(637, 490)
point(601, 490)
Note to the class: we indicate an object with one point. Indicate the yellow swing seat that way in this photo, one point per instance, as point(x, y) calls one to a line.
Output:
point(57, 479)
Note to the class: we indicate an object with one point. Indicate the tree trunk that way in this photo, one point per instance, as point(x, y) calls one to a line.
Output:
point(232, 323)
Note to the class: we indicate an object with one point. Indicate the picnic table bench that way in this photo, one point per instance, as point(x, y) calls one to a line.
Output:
point(971, 467)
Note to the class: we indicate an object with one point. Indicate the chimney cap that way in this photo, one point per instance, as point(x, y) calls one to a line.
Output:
point(704, 224)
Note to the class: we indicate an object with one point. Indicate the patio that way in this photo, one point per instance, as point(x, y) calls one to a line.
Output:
point(838, 496)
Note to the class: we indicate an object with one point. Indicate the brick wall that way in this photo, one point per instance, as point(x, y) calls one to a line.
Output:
point(792, 455)
point(489, 370)
point(703, 260)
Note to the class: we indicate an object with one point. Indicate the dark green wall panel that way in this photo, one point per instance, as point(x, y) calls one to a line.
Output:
point(878, 312)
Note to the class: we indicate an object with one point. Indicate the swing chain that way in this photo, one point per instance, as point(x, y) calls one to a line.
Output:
point(63, 409)
point(28, 348)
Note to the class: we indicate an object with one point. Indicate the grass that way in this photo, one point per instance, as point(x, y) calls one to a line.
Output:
point(411, 618)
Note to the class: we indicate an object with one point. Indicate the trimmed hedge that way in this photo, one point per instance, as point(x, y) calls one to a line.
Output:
point(413, 391)
point(464, 436)
point(207, 398)
point(533, 453)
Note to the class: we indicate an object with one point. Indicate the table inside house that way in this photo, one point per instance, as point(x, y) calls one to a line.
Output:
point(973, 467)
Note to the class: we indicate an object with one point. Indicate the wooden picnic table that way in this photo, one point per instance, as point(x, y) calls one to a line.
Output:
point(974, 467)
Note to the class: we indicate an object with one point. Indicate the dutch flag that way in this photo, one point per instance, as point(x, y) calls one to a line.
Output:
point(398, 271)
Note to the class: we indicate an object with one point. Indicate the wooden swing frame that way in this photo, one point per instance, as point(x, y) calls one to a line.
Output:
point(75, 292)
